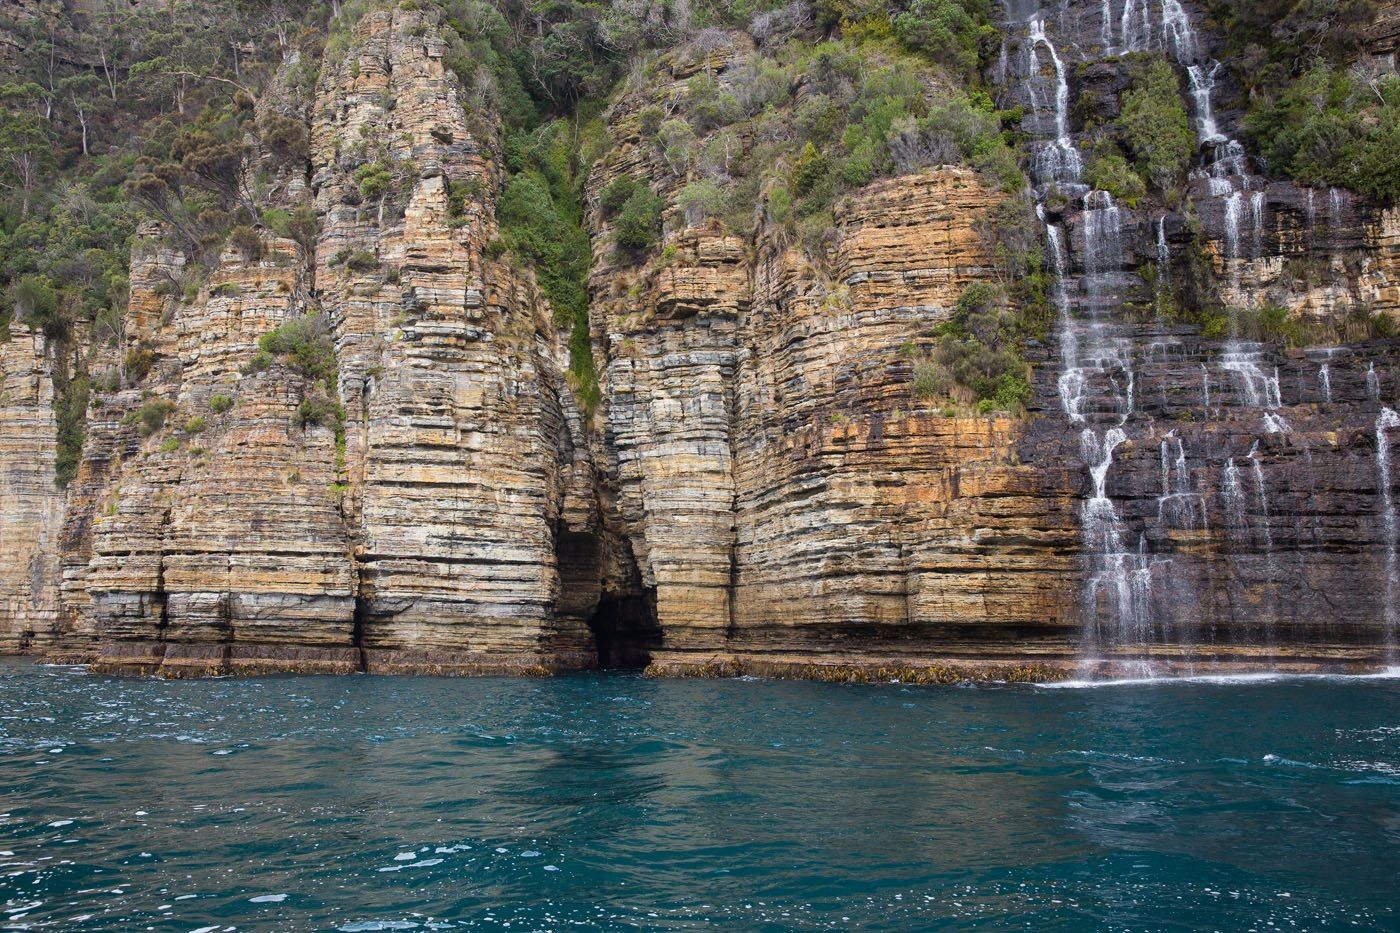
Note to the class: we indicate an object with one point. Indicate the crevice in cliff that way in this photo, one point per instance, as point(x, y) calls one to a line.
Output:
point(621, 619)
point(160, 599)
point(625, 631)
point(357, 631)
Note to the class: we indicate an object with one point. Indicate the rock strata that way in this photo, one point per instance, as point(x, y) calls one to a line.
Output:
point(761, 489)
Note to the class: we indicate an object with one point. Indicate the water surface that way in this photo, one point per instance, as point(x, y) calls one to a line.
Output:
point(607, 802)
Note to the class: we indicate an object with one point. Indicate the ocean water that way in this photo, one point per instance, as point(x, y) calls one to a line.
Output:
point(614, 802)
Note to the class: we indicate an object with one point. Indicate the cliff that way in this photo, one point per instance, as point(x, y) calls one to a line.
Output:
point(365, 442)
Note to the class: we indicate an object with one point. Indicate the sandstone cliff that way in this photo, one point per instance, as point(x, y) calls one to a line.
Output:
point(763, 485)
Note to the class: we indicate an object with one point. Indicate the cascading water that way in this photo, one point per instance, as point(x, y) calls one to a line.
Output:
point(1232, 496)
point(1120, 580)
point(1059, 159)
point(1179, 505)
point(1261, 490)
point(1387, 421)
point(1096, 382)
point(1202, 81)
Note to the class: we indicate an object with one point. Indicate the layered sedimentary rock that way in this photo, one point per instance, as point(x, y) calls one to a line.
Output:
point(31, 505)
point(456, 438)
point(219, 524)
point(762, 486)
point(870, 521)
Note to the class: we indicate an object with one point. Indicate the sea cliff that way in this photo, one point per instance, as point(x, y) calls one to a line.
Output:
point(977, 408)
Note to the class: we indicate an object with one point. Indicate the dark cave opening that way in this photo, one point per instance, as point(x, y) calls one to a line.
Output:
point(624, 631)
point(619, 613)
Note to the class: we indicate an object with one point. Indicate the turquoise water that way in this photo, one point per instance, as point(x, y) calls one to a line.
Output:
point(613, 802)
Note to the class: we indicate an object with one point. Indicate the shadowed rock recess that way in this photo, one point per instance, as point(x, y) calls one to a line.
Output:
point(758, 482)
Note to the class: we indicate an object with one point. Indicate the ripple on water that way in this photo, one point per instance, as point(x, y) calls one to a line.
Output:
point(607, 802)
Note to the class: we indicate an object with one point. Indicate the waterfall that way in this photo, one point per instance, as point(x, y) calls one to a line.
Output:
point(1202, 88)
point(1373, 382)
point(1260, 391)
point(1096, 381)
point(1234, 209)
point(1256, 208)
point(1136, 29)
point(1058, 160)
point(1180, 35)
point(1232, 497)
point(1270, 562)
point(1103, 257)
point(1262, 492)
point(1119, 577)
point(1178, 502)
point(1324, 382)
point(1071, 382)
point(1205, 388)
point(1387, 421)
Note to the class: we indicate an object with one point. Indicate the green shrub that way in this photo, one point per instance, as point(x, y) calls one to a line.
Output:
point(170, 445)
point(246, 240)
point(362, 261)
point(809, 169)
point(305, 343)
point(36, 302)
point(319, 409)
point(286, 138)
point(219, 404)
point(616, 194)
point(677, 141)
point(301, 225)
point(1109, 171)
point(699, 200)
point(1156, 126)
point(138, 362)
point(977, 354)
point(71, 403)
point(151, 415)
point(259, 363)
point(639, 221)
point(460, 195)
point(373, 179)
point(951, 32)
point(195, 425)
point(1330, 129)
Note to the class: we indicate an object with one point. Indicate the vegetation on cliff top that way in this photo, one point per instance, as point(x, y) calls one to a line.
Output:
point(112, 113)
point(118, 113)
point(1317, 111)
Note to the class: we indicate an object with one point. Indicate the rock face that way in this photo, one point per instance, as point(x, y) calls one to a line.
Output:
point(457, 442)
point(31, 506)
point(214, 526)
point(762, 487)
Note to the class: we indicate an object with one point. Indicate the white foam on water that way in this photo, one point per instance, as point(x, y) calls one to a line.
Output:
point(1389, 673)
point(268, 899)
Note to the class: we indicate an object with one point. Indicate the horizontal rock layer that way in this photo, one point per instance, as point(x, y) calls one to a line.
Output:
point(761, 490)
